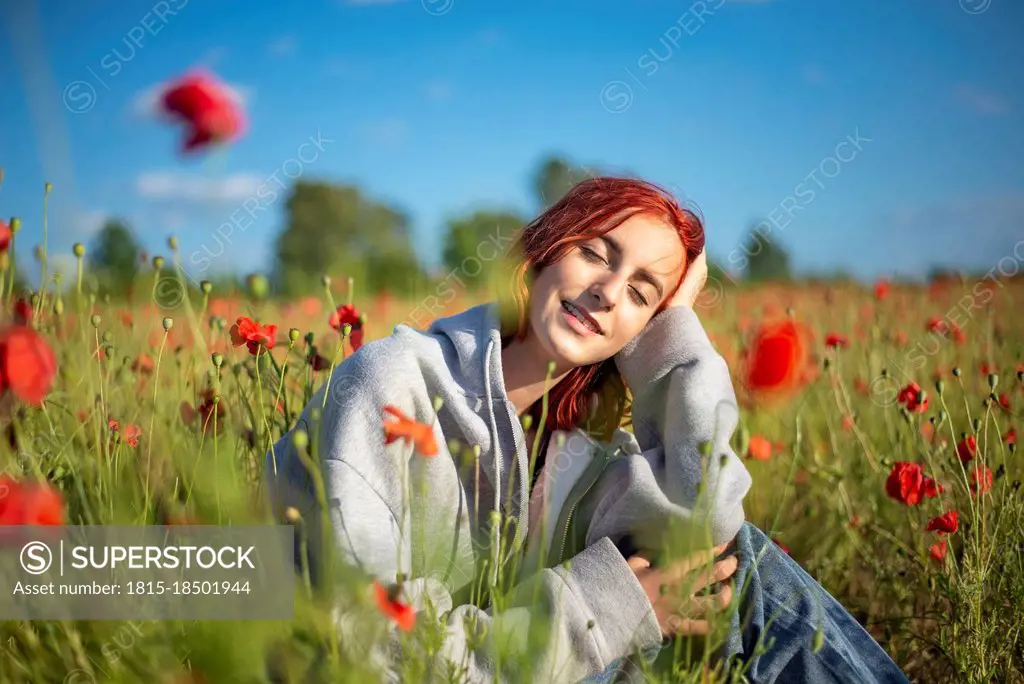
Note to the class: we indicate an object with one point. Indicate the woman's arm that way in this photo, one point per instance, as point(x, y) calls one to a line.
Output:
point(596, 610)
point(682, 398)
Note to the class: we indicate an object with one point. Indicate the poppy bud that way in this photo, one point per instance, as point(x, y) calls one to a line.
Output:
point(438, 403)
point(942, 416)
point(107, 337)
point(108, 350)
point(939, 386)
point(205, 286)
point(39, 253)
point(551, 367)
point(310, 338)
point(78, 249)
point(58, 307)
point(884, 373)
point(315, 414)
point(172, 243)
point(819, 640)
point(292, 515)
point(1020, 373)
point(48, 187)
point(527, 422)
point(168, 323)
point(217, 358)
point(293, 334)
point(1012, 447)
point(300, 439)
point(15, 224)
point(827, 363)
point(993, 380)
point(325, 280)
point(705, 448)
point(1000, 471)
point(977, 425)
point(956, 371)
point(158, 262)
point(95, 320)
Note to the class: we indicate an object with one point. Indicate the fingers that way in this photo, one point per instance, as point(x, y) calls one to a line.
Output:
point(701, 606)
point(694, 579)
point(684, 626)
point(638, 562)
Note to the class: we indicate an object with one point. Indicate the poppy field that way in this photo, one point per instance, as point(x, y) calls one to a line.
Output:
point(879, 425)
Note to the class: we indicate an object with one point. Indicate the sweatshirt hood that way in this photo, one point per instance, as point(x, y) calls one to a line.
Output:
point(471, 343)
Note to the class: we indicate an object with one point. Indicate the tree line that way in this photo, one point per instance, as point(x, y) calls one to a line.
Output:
point(337, 230)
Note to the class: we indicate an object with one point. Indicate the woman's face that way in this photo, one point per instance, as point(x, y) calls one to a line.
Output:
point(614, 282)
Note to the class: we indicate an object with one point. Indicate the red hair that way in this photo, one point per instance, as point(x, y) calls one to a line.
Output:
point(589, 210)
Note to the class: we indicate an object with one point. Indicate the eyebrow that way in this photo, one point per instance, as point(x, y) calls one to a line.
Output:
point(641, 273)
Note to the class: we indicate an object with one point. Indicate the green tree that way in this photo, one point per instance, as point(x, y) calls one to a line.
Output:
point(554, 177)
point(113, 258)
point(476, 243)
point(335, 230)
point(766, 258)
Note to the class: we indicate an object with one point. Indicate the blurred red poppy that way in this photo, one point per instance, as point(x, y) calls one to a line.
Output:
point(348, 314)
point(420, 435)
point(938, 551)
point(881, 290)
point(834, 340)
point(947, 523)
point(5, 236)
point(981, 479)
point(906, 483)
point(27, 364)
point(29, 504)
point(250, 333)
point(207, 109)
point(777, 357)
point(913, 398)
point(402, 614)
point(759, 449)
point(967, 448)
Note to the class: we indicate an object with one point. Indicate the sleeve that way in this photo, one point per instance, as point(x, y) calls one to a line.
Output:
point(560, 624)
point(683, 398)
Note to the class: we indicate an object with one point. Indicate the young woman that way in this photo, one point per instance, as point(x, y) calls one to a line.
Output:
point(599, 312)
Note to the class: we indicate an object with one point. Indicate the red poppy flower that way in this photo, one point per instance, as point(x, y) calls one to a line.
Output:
point(205, 410)
point(913, 398)
point(319, 363)
point(905, 483)
point(348, 314)
point(848, 423)
point(981, 479)
point(881, 290)
point(947, 523)
point(1004, 401)
point(967, 448)
point(402, 614)
point(901, 338)
point(777, 357)
point(22, 311)
point(29, 504)
point(1011, 436)
point(420, 435)
point(5, 236)
point(206, 108)
point(985, 368)
point(938, 551)
point(937, 325)
point(759, 449)
point(250, 333)
point(834, 340)
point(131, 434)
point(959, 336)
point(930, 488)
point(143, 364)
point(27, 364)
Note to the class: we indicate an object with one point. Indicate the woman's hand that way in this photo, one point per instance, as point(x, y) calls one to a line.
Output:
point(682, 613)
point(693, 282)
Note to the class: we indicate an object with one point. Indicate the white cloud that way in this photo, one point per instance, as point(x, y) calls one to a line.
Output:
point(283, 46)
point(980, 101)
point(169, 185)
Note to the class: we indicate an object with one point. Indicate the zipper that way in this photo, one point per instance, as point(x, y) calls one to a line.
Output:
point(593, 473)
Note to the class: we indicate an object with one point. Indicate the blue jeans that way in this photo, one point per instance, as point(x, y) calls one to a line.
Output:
point(783, 607)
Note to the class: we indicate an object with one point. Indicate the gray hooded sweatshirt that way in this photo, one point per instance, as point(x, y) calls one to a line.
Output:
point(428, 520)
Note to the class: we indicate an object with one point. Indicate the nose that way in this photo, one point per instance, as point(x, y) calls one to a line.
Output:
point(605, 293)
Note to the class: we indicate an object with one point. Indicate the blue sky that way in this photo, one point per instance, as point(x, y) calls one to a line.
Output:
point(442, 106)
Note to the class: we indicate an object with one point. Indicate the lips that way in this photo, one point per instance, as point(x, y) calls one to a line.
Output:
point(584, 317)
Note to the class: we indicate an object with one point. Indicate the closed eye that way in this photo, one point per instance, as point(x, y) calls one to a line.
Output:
point(634, 293)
